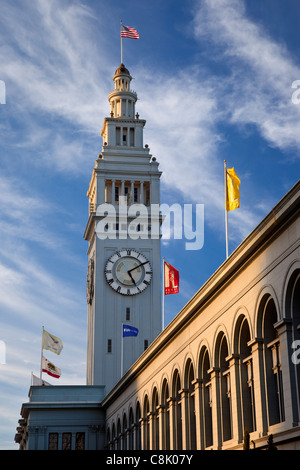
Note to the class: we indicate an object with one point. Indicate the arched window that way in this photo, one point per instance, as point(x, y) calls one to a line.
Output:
point(113, 437)
point(118, 434)
point(292, 312)
point(146, 428)
point(155, 420)
point(165, 416)
point(124, 432)
point(130, 430)
point(246, 381)
point(190, 403)
point(224, 387)
point(273, 374)
point(177, 410)
point(108, 443)
point(205, 400)
point(138, 425)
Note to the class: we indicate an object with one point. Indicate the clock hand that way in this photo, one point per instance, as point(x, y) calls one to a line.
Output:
point(130, 275)
point(137, 267)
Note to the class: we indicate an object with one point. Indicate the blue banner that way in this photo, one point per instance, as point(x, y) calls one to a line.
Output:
point(129, 331)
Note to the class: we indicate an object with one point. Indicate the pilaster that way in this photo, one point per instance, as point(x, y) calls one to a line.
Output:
point(235, 390)
point(198, 384)
point(291, 407)
point(184, 394)
point(259, 385)
point(172, 403)
point(216, 411)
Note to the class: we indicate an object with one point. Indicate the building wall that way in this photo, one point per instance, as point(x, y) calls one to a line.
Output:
point(62, 418)
point(225, 362)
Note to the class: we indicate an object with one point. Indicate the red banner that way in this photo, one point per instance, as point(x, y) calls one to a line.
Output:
point(171, 279)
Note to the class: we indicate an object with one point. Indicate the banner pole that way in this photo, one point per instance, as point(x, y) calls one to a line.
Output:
point(41, 367)
point(163, 293)
point(122, 345)
point(226, 212)
point(121, 42)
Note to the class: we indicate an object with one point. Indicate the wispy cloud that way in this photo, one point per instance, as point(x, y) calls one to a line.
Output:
point(258, 90)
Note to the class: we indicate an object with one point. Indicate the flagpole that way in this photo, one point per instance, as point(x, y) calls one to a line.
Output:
point(163, 293)
point(41, 368)
point(121, 42)
point(226, 212)
point(122, 344)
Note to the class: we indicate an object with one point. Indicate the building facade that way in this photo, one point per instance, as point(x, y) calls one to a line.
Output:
point(62, 418)
point(228, 362)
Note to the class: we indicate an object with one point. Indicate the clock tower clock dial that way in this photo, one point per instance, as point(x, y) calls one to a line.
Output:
point(128, 272)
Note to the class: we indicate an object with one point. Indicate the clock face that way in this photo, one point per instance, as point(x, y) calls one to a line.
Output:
point(128, 272)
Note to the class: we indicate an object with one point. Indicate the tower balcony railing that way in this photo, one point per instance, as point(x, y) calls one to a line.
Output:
point(122, 92)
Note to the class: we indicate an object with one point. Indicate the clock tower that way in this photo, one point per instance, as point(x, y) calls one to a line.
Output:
point(124, 261)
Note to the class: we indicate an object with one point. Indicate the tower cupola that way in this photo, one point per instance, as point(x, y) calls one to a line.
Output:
point(122, 99)
point(123, 128)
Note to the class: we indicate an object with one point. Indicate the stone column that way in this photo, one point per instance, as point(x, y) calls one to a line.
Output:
point(161, 410)
point(132, 192)
point(184, 394)
point(134, 436)
point(143, 422)
point(100, 188)
point(151, 417)
point(259, 385)
point(113, 190)
point(171, 401)
point(142, 192)
point(284, 329)
point(197, 383)
point(216, 413)
point(233, 363)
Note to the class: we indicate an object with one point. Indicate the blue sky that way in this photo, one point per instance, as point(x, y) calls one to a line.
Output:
point(214, 81)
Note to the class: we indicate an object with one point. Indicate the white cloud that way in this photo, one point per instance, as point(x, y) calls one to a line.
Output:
point(51, 67)
point(183, 110)
point(259, 89)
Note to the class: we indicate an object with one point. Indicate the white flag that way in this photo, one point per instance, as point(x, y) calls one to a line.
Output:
point(50, 368)
point(37, 381)
point(52, 343)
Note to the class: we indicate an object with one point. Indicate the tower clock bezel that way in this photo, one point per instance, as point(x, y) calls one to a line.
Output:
point(130, 281)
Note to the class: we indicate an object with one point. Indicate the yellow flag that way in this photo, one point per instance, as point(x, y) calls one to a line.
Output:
point(233, 192)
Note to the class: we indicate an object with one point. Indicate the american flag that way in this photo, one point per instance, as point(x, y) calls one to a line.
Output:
point(127, 32)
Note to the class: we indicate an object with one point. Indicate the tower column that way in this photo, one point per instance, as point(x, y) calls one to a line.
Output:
point(113, 190)
point(132, 191)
